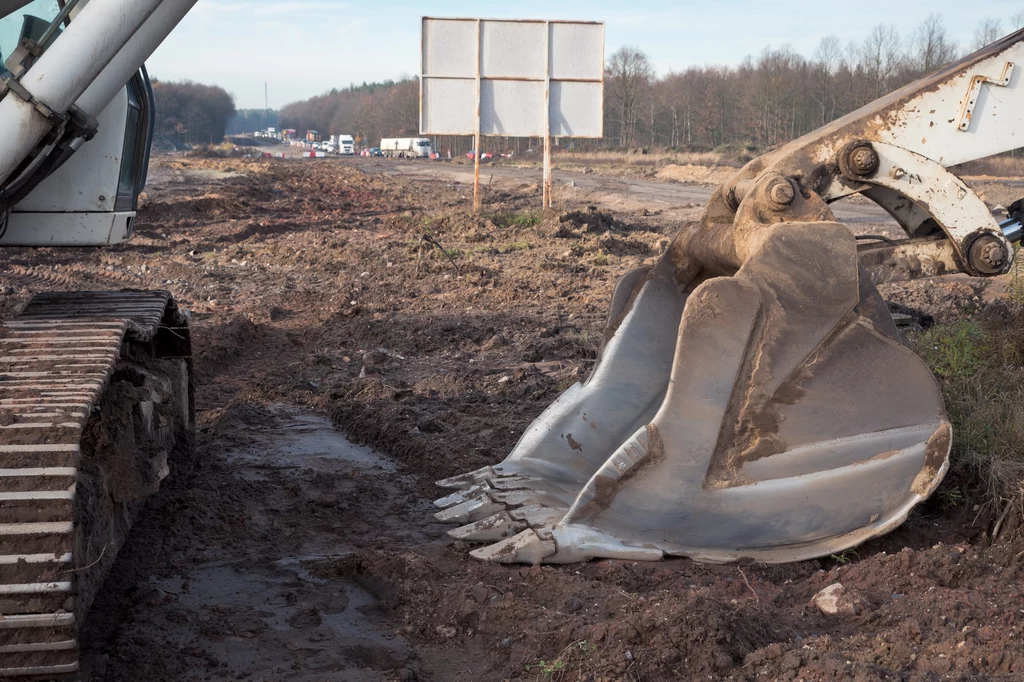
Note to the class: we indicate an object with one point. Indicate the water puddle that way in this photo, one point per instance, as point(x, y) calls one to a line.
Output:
point(299, 440)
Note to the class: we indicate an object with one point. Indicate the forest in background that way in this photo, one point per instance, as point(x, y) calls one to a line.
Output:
point(764, 101)
point(192, 113)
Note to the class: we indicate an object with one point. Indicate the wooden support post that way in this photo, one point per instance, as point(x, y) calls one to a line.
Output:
point(476, 136)
point(547, 172)
point(546, 192)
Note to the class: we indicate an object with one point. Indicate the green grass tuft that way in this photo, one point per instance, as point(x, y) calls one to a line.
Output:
point(980, 368)
point(505, 220)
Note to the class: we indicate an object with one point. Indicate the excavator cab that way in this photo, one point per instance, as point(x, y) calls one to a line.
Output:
point(72, 193)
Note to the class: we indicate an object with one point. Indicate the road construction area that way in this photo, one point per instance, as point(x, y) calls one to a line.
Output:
point(358, 334)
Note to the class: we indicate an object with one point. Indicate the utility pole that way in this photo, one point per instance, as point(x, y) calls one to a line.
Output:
point(266, 107)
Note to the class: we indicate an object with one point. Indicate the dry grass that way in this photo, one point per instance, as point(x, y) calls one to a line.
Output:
point(619, 158)
point(980, 367)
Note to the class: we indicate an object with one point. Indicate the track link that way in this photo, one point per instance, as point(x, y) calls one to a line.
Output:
point(73, 469)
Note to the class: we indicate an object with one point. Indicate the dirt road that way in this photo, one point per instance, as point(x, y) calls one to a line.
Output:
point(615, 193)
point(291, 554)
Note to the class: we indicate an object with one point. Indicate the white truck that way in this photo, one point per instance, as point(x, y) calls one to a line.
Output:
point(343, 144)
point(405, 147)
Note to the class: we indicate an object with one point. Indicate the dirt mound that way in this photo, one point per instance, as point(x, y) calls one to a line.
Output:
point(590, 221)
point(707, 175)
point(189, 211)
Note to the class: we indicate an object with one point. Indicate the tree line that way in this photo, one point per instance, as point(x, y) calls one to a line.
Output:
point(192, 113)
point(251, 120)
point(766, 100)
point(777, 95)
point(369, 111)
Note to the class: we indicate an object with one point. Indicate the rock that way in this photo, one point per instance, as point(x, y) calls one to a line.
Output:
point(478, 593)
point(374, 358)
point(429, 425)
point(838, 600)
point(827, 600)
point(446, 631)
point(496, 341)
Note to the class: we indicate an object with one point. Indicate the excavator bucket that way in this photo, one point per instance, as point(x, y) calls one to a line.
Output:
point(773, 414)
point(753, 398)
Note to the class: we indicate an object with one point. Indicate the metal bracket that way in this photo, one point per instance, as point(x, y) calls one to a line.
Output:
point(954, 207)
point(967, 107)
point(18, 89)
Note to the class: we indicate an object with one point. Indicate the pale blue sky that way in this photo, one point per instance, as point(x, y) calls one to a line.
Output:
point(305, 47)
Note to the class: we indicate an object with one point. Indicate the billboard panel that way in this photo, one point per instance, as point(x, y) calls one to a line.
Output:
point(509, 77)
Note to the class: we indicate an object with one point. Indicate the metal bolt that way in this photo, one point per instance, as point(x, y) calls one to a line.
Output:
point(864, 161)
point(987, 255)
point(993, 255)
point(781, 192)
point(897, 173)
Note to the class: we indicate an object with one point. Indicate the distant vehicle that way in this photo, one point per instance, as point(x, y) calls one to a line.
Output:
point(371, 151)
point(343, 144)
point(405, 147)
point(485, 155)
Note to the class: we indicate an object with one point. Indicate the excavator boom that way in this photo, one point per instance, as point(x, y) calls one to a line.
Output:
point(754, 398)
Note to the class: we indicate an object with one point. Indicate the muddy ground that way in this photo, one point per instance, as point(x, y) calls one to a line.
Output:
point(292, 554)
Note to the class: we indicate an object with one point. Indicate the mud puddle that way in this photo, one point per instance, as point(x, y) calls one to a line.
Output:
point(303, 440)
point(275, 621)
point(235, 598)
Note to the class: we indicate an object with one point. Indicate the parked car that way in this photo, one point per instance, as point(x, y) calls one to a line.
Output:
point(375, 151)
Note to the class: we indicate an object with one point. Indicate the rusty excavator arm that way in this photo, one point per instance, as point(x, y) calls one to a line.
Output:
point(753, 398)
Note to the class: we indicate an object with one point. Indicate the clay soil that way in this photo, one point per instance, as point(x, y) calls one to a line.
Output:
point(315, 300)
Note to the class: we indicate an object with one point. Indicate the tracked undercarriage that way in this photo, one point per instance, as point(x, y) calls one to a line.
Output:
point(96, 408)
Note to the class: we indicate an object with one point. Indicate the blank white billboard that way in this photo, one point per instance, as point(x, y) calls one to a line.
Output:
point(512, 77)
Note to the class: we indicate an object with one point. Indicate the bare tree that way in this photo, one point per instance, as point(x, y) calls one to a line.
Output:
point(881, 57)
point(931, 46)
point(989, 30)
point(827, 59)
point(628, 79)
point(1017, 21)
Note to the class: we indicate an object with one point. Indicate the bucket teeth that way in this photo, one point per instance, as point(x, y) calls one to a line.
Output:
point(468, 479)
point(514, 482)
point(538, 515)
point(527, 547)
point(471, 510)
point(460, 496)
point(492, 529)
point(516, 498)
